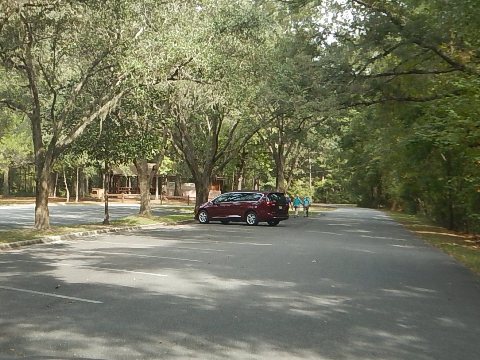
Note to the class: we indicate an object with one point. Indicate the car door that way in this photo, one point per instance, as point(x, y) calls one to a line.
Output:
point(235, 200)
point(249, 203)
point(220, 206)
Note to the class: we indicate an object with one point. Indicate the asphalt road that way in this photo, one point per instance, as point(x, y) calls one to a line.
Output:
point(348, 285)
point(23, 216)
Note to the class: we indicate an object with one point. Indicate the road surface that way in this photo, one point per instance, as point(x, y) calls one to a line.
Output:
point(23, 216)
point(350, 284)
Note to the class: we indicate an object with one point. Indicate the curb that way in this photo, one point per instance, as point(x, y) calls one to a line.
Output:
point(71, 236)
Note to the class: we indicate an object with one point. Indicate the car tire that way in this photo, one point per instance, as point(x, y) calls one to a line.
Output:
point(225, 222)
point(251, 218)
point(203, 217)
point(273, 222)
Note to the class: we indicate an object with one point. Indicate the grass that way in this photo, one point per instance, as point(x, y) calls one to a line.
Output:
point(150, 220)
point(14, 200)
point(9, 236)
point(465, 248)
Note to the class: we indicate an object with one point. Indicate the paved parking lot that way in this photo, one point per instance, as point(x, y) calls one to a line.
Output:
point(348, 285)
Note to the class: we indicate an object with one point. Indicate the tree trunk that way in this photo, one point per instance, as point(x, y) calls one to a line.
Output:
point(6, 181)
point(55, 186)
point(202, 188)
point(240, 182)
point(241, 169)
point(280, 173)
point(144, 185)
point(106, 190)
point(87, 186)
point(161, 190)
point(77, 185)
point(67, 190)
point(178, 185)
point(42, 214)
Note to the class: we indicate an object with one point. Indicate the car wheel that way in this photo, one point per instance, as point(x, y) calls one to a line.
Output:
point(273, 222)
point(203, 217)
point(225, 222)
point(252, 218)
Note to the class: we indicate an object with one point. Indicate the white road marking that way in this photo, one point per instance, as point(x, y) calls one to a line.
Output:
point(382, 237)
point(229, 242)
point(219, 242)
point(138, 255)
point(120, 243)
point(50, 294)
point(136, 245)
point(361, 250)
point(404, 246)
point(326, 232)
point(113, 269)
point(94, 267)
point(191, 248)
point(242, 243)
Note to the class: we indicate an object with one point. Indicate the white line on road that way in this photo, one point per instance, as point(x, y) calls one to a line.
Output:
point(405, 246)
point(138, 255)
point(50, 294)
point(242, 243)
point(382, 237)
point(113, 269)
point(191, 248)
point(219, 242)
point(94, 267)
point(137, 245)
point(326, 232)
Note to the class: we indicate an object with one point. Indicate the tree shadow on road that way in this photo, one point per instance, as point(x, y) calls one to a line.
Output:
point(149, 298)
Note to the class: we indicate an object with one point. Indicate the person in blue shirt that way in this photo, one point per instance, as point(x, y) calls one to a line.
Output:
point(289, 201)
point(306, 206)
point(297, 202)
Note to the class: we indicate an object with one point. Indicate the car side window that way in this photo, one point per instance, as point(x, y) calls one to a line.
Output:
point(251, 197)
point(235, 197)
point(245, 197)
point(256, 197)
point(221, 198)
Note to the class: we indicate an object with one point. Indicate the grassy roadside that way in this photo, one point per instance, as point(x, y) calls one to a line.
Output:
point(464, 248)
point(10, 236)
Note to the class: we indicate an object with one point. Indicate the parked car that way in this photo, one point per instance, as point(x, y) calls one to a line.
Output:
point(251, 207)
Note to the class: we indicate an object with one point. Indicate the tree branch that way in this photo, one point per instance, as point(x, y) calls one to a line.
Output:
point(77, 90)
point(400, 23)
point(12, 105)
point(411, 72)
point(380, 56)
point(108, 103)
point(400, 99)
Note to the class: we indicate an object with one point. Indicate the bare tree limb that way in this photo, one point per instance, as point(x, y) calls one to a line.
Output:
point(411, 72)
point(399, 99)
point(12, 105)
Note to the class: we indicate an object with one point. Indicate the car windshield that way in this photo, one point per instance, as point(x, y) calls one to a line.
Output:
point(277, 197)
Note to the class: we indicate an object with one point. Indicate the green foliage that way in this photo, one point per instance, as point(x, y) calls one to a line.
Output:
point(424, 159)
point(212, 89)
point(15, 141)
